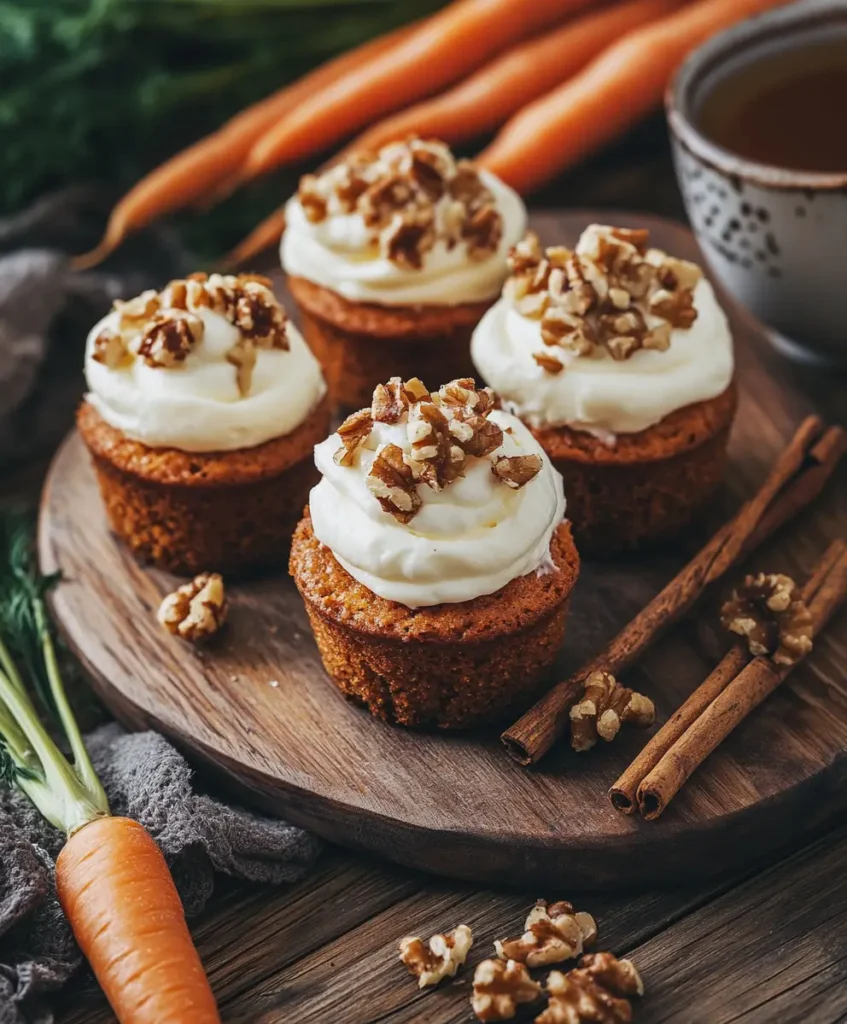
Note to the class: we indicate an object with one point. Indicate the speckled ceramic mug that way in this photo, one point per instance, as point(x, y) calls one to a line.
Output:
point(776, 238)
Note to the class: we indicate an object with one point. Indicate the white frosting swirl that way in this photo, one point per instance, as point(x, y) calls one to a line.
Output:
point(337, 254)
point(597, 393)
point(196, 406)
point(467, 540)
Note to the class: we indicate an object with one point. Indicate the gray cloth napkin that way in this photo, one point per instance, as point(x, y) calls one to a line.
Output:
point(147, 779)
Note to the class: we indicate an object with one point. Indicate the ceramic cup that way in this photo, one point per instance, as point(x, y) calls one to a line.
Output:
point(776, 238)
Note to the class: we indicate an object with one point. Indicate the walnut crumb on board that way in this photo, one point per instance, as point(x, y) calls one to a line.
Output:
point(196, 610)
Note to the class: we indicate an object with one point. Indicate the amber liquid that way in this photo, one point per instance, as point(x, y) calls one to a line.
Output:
point(787, 109)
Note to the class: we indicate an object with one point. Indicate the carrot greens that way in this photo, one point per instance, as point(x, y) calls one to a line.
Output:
point(66, 791)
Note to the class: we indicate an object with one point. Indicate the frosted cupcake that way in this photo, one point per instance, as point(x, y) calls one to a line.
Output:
point(434, 559)
point(619, 358)
point(393, 258)
point(203, 406)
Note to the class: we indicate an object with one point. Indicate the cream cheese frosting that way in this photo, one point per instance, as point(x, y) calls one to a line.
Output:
point(339, 251)
point(197, 405)
point(466, 539)
point(596, 392)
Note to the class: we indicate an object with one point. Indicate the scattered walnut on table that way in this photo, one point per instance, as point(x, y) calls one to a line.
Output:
point(604, 706)
point(552, 933)
point(196, 610)
point(439, 958)
point(499, 987)
point(596, 992)
point(769, 611)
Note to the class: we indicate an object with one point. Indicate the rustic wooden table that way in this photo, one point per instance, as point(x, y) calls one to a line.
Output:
point(755, 948)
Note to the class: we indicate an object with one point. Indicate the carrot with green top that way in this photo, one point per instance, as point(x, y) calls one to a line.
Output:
point(623, 84)
point(212, 162)
point(112, 880)
point(447, 46)
point(485, 100)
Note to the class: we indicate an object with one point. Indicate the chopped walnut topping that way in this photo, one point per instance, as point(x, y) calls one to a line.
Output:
point(169, 337)
point(548, 363)
point(440, 958)
point(516, 470)
point(443, 430)
point(604, 706)
point(770, 612)
point(594, 993)
point(393, 484)
point(196, 610)
point(499, 987)
point(435, 458)
point(110, 348)
point(611, 293)
point(552, 933)
point(354, 431)
point(411, 195)
point(163, 327)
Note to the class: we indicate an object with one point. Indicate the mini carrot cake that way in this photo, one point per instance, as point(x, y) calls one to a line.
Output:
point(393, 258)
point(434, 560)
point(203, 407)
point(619, 359)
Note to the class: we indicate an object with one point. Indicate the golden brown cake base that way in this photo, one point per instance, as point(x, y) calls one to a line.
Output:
point(188, 511)
point(450, 666)
point(361, 345)
point(648, 486)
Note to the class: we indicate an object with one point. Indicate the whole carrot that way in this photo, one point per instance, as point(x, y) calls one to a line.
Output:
point(487, 98)
point(447, 46)
point(624, 83)
point(204, 166)
point(112, 880)
point(116, 891)
point(263, 236)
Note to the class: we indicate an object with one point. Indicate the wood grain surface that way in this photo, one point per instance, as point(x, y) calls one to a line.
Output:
point(257, 710)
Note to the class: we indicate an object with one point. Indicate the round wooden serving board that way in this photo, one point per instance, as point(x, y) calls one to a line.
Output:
point(256, 709)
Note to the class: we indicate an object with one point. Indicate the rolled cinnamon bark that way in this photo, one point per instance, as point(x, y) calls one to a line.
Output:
point(529, 739)
point(740, 696)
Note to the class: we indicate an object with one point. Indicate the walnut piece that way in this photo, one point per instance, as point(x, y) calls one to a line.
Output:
point(410, 195)
point(354, 431)
point(516, 470)
point(196, 610)
point(169, 337)
point(499, 987)
point(607, 294)
point(769, 611)
point(594, 992)
point(604, 706)
point(110, 349)
point(434, 457)
point(393, 484)
point(552, 933)
point(440, 958)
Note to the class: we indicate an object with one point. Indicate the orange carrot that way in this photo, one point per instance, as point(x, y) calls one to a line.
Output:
point(485, 100)
point(625, 82)
point(263, 236)
point(119, 897)
point(203, 166)
point(447, 46)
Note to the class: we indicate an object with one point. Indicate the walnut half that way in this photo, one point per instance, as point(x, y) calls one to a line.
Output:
point(440, 958)
point(770, 612)
point(499, 987)
point(196, 610)
point(552, 933)
point(594, 992)
point(605, 705)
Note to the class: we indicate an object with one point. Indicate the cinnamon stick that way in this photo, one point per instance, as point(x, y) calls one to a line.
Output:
point(624, 792)
point(745, 692)
point(529, 739)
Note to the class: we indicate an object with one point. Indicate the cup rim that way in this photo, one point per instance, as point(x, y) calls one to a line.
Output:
point(732, 41)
